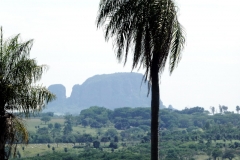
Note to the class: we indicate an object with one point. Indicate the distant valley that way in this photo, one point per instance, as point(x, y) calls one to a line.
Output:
point(107, 90)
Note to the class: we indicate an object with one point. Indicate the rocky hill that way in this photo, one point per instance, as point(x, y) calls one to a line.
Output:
point(107, 90)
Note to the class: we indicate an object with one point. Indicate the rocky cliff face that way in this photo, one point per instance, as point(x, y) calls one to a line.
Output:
point(59, 90)
point(107, 90)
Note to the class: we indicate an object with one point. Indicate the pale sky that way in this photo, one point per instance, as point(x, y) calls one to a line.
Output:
point(66, 38)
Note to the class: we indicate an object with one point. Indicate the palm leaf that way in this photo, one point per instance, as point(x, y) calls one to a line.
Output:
point(18, 74)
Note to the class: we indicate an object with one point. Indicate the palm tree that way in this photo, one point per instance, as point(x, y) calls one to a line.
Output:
point(152, 30)
point(18, 92)
point(237, 109)
point(220, 109)
point(212, 109)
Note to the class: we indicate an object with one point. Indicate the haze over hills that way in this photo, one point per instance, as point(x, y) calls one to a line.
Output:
point(108, 90)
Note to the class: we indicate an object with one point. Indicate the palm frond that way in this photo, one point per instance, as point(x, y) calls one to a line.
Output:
point(18, 73)
point(177, 46)
point(149, 26)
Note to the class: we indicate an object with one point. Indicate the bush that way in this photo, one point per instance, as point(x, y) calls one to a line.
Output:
point(113, 145)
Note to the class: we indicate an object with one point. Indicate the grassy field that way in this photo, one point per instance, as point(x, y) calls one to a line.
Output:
point(32, 150)
point(33, 123)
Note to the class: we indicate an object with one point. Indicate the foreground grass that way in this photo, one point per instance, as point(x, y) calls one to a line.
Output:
point(32, 150)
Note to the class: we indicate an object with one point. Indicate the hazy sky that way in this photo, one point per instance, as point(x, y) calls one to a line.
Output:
point(66, 39)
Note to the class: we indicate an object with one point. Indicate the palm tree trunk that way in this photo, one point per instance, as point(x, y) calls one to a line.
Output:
point(2, 136)
point(3, 128)
point(2, 153)
point(154, 114)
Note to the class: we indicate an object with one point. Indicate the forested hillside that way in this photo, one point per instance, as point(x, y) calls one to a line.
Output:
point(124, 133)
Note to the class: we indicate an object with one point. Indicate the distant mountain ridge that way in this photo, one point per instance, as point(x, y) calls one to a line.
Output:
point(107, 90)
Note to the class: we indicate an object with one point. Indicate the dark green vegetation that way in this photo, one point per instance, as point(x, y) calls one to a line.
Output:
point(18, 72)
point(124, 133)
point(152, 30)
point(108, 90)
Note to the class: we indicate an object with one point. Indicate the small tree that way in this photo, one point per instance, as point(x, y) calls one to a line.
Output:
point(57, 125)
point(229, 154)
point(224, 108)
point(67, 129)
point(46, 119)
point(50, 126)
point(96, 144)
point(58, 140)
point(71, 139)
point(216, 153)
point(113, 145)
